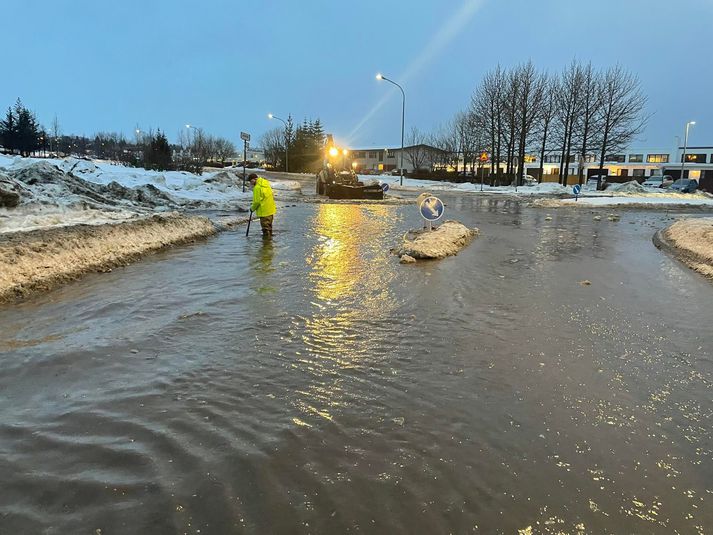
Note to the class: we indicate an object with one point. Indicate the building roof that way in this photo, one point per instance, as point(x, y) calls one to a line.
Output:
point(372, 149)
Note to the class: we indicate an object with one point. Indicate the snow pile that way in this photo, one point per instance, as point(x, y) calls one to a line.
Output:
point(72, 190)
point(645, 200)
point(42, 259)
point(446, 240)
point(627, 187)
point(693, 240)
point(412, 184)
point(38, 217)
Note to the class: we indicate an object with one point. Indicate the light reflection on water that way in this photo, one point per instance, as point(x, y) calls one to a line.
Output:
point(349, 279)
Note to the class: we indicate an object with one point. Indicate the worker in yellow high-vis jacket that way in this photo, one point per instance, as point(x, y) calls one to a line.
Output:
point(263, 203)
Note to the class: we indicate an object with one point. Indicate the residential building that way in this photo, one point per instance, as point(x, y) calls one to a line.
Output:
point(389, 159)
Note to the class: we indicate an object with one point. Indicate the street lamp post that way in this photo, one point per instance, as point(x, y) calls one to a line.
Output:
point(685, 146)
point(287, 142)
point(403, 115)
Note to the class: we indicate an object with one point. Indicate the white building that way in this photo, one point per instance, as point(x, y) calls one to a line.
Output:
point(637, 162)
point(389, 159)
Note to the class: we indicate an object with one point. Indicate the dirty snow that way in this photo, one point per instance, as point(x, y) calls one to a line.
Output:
point(446, 240)
point(652, 199)
point(57, 192)
point(693, 238)
point(41, 260)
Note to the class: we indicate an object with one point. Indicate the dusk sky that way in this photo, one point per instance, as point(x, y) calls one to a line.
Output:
point(224, 64)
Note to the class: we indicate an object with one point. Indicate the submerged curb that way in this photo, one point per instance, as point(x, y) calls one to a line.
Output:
point(685, 256)
point(40, 260)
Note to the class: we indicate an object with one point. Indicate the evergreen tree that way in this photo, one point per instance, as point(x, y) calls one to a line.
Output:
point(8, 131)
point(28, 130)
point(158, 153)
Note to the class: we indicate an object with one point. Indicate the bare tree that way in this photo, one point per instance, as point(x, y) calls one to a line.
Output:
point(620, 112)
point(510, 98)
point(547, 115)
point(590, 94)
point(273, 143)
point(55, 133)
point(531, 92)
point(486, 107)
point(569, 106)
point(416, 152)
point(224, 149)
point(445, 139)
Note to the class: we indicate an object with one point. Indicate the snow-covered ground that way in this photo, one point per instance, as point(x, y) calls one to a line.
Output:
point(56, 192)
point(616, 195)
point(411, 184)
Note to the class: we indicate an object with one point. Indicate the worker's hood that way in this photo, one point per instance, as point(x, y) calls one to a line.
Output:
point(262, 183)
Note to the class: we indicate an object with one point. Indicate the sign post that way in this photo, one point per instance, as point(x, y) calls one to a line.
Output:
point(483, 160)
point(576, 189)
point(246, 138)
point(431, 209)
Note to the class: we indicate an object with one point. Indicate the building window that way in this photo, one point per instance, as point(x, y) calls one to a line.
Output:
point(638, 172)
point(695, 158)
point(657, 158)
point(619, 158)
point(636, 158)
point(372, 154)
point(381, 156)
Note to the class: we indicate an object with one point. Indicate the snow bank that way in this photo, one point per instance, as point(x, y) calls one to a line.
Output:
point(692, 241)
point(49, 192)
point(42, 217)
point(446, 240)
point(627, 187)
point(411, 184)
point(40, 260)
point(645, 200)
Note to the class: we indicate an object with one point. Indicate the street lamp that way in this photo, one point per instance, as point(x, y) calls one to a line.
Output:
point(403, 114)
point(287, 142)
point(685, 146)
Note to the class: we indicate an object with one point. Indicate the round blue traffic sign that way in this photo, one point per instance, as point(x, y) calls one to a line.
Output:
point(576, 189)
point(385, 187)
point(431, 208)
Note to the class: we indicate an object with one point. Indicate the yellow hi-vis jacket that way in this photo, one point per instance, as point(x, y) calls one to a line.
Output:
point(263, 202)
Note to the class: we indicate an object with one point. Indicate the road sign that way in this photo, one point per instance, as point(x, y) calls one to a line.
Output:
point(431, 208)
point(384, 187)
point(577, 189)
point(244, 136)
point(484, 157)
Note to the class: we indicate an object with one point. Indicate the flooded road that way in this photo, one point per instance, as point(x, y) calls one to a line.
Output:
point(314, 385)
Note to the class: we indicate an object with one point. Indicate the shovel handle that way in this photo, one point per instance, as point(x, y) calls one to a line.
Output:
point(249, 220)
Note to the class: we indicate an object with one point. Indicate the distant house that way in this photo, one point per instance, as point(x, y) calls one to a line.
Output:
point(254, 155)
point(389, 159)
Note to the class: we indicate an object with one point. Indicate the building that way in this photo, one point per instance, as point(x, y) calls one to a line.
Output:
point(389, 159)
point(255, 155)
point(637, 163)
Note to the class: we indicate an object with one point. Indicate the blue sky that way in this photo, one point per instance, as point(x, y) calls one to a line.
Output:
point(224, 64)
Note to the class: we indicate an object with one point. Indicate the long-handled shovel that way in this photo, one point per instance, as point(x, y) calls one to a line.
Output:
point(249, 220)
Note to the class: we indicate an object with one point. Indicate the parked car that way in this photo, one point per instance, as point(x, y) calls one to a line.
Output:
point(684, 185)
point(594, 179)
point(658, 181)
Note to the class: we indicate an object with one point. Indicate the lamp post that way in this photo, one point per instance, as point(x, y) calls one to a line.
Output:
point(287, 142)
point(403, 115)
point(685, 146)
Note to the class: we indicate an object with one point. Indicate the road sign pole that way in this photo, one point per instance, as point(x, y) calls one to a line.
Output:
point(245, 159)
point(245, 137)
